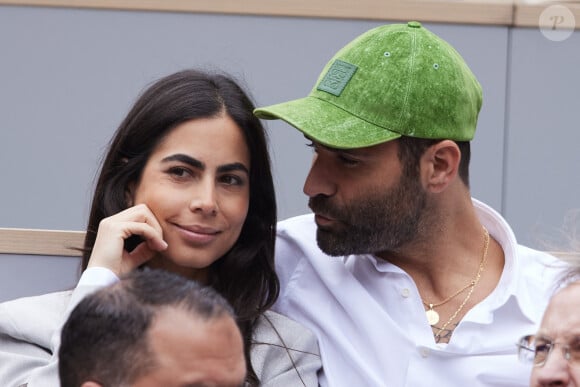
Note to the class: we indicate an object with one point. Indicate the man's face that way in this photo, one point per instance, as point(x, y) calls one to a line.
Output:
point(192, 352)
point(362, 200)
point(561, 325)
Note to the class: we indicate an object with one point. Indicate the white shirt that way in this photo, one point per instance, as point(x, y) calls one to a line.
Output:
point(371, 324)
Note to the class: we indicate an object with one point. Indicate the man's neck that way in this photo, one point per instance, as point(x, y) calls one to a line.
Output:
point(445, 267)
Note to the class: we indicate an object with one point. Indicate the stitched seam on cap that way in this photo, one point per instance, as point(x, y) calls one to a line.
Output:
point(411, 77)
point(354, 115)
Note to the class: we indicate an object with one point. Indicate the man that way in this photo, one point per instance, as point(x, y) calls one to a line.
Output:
point(405, 278)
point(555, 350)
point(152, 328)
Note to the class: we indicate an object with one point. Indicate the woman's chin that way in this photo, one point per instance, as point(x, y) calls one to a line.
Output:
point(184, 269)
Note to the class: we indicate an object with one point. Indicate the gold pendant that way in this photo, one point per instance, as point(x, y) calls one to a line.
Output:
point(432, 316)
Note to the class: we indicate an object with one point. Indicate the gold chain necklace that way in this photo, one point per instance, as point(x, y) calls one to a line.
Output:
point(433, 316)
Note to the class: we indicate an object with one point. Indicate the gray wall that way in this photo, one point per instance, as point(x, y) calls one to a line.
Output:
point(542, 176)
point(67, 78)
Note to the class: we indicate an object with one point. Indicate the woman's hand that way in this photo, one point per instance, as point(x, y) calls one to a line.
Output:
point(109, 249)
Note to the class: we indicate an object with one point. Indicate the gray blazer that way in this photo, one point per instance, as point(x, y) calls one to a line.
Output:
point(284, 353)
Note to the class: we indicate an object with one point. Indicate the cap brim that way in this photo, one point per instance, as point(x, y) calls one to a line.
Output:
point(326, 123)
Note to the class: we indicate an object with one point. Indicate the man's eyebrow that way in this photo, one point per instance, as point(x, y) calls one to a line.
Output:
point(313, 141)
point(542, 336)
point(331, 149)
point(195, 163)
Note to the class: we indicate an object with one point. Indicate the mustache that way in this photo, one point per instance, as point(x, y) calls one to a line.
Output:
point(321, 205)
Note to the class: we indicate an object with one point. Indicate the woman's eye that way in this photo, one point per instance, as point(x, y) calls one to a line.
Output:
point(179, 171)
point(232, 180)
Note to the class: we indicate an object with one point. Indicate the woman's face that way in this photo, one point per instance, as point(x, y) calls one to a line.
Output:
point(197, 185)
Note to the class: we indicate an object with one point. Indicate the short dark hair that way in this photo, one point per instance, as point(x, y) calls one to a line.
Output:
point(411, 149)
point(104, 338)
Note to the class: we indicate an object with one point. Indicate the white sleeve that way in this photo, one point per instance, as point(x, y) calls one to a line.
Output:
point(29, 359)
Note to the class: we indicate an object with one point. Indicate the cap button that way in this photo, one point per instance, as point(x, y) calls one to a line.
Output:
point(414, 24)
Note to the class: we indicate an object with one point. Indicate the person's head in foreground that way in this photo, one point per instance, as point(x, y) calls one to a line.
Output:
point(390, 119)
point(152, 328)
point(554, 351)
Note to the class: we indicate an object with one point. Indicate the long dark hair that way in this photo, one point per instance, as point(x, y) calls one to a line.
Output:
point(245, 275)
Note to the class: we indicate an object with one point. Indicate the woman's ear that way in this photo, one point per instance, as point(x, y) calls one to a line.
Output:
point(442, 165)
point(129, 194)
point(129, 189)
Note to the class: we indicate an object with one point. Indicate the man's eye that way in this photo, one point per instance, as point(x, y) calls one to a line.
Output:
point(347, 160)
point(575, 346)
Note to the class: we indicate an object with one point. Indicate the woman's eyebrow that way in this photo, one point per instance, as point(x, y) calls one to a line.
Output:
point(185, 159)
point(195, 163)
point(233, 167)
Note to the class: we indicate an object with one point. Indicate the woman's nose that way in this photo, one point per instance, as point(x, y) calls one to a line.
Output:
point(204, 198)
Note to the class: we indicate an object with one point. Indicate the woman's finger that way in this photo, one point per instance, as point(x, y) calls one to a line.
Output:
point(109, 248)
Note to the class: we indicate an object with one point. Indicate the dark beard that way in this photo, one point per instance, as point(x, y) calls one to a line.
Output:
point(376, 222)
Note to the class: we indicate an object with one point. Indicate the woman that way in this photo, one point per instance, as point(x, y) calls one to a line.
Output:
point(186, 186)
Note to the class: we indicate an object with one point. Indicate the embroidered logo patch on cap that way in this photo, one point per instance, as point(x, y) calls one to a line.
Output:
point(337, 77)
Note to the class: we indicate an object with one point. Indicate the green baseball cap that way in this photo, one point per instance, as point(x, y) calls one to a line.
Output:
point(394, 80)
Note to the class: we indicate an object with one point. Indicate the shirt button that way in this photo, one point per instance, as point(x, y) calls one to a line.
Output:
point(405, 292)
point(424, 352)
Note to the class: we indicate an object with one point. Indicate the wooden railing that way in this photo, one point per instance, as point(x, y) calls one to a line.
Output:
point(41, 242)
point(517, 13)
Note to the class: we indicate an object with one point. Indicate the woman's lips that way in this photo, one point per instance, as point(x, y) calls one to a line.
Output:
point(197, 234)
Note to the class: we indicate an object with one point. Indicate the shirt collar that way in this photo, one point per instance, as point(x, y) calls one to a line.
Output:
point(510, 284)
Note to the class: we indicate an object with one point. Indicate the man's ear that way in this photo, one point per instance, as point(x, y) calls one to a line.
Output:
point(441, 165)
point(91, 384)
